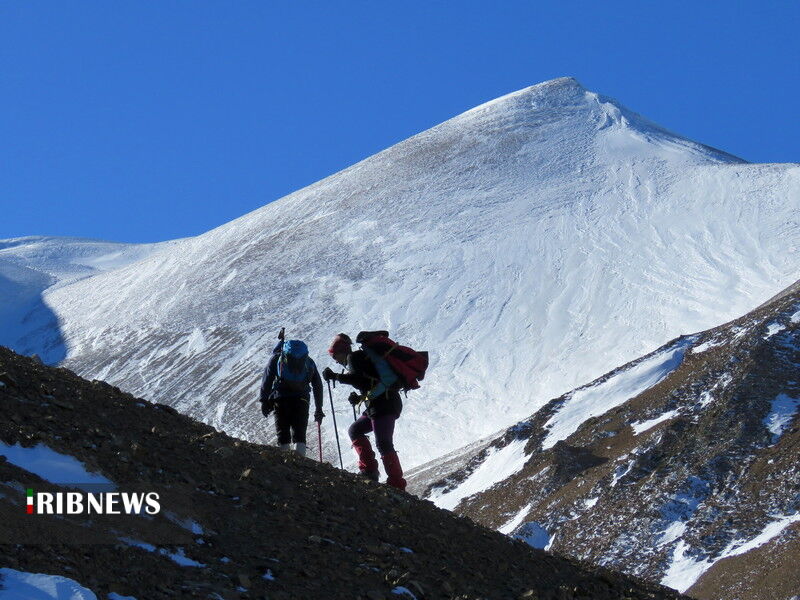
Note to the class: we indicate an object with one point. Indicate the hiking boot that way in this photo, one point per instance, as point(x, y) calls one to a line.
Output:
point(284, 447)
point(300, 448)
point(371, 475)
point(394, 472)
point(366, 457)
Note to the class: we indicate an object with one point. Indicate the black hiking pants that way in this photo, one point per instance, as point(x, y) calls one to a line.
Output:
point(291, 420)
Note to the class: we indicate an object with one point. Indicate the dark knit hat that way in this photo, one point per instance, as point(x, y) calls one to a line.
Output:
point(342, 344)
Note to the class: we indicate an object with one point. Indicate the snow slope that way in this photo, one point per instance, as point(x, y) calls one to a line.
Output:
point(50, 465)
point(19, 585)
point(31, 265)
point(592, 401)
point(530, 244)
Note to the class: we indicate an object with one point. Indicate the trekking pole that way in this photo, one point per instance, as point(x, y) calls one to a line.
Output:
point(335, 429)
point(355, 418)
point(319, 439)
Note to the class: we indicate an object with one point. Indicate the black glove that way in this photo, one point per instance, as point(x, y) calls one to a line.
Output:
point(328, 374)
point(267, 406)
point(318, 416)
point(354, 398)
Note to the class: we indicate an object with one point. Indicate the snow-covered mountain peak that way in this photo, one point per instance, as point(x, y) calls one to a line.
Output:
point(524, 244)
point(562, 93)
point(585, 117)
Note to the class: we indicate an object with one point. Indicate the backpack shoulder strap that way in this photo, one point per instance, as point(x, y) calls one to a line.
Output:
point(309, 367)
point(386, 375)
point(280, 363)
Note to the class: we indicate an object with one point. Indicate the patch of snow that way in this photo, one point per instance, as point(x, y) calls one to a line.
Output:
point(795, 318)
point(219, 413)
point(740, 332)
point(497, 466)
point(115, 596)
point(642, 426)
point(225, 560)
point(673, 532)
point(406, 550)
point(52, 466)
point(621, 471)
point(178, 557)
point(138, 543)
point(774, 328)
point(770, 532)
point(598, 399)
point(684, 571)
point(516, 520)
point(14, 485)
point(181, 558)
point(706, 398)
point(20, 585)
point(535, 535)
point(685, 502)
point(188, 524)
point(268, 576)
point(369, 567)
point(403, 591)
point(705, 346)
point(590, 502)
point(781, 414)
point(680, 508)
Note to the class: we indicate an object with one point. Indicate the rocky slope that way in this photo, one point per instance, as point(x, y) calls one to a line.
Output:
point(240, 520)
point(682, 467)
point(544, 225)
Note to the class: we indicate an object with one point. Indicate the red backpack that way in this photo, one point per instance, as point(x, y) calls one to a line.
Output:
point(409, 364)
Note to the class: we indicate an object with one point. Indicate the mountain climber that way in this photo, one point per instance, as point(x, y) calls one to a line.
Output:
point(383, 407)
point(285, 389)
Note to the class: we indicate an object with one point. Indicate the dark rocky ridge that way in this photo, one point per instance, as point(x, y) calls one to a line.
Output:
point(608, 495)
point(321, 532)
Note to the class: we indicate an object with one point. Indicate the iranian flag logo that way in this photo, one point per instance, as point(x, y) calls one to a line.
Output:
point(30, 501)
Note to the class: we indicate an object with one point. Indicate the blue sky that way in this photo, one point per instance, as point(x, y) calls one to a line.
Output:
point(145, 121)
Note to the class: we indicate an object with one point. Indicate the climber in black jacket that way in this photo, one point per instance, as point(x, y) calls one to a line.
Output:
point(285, 389)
